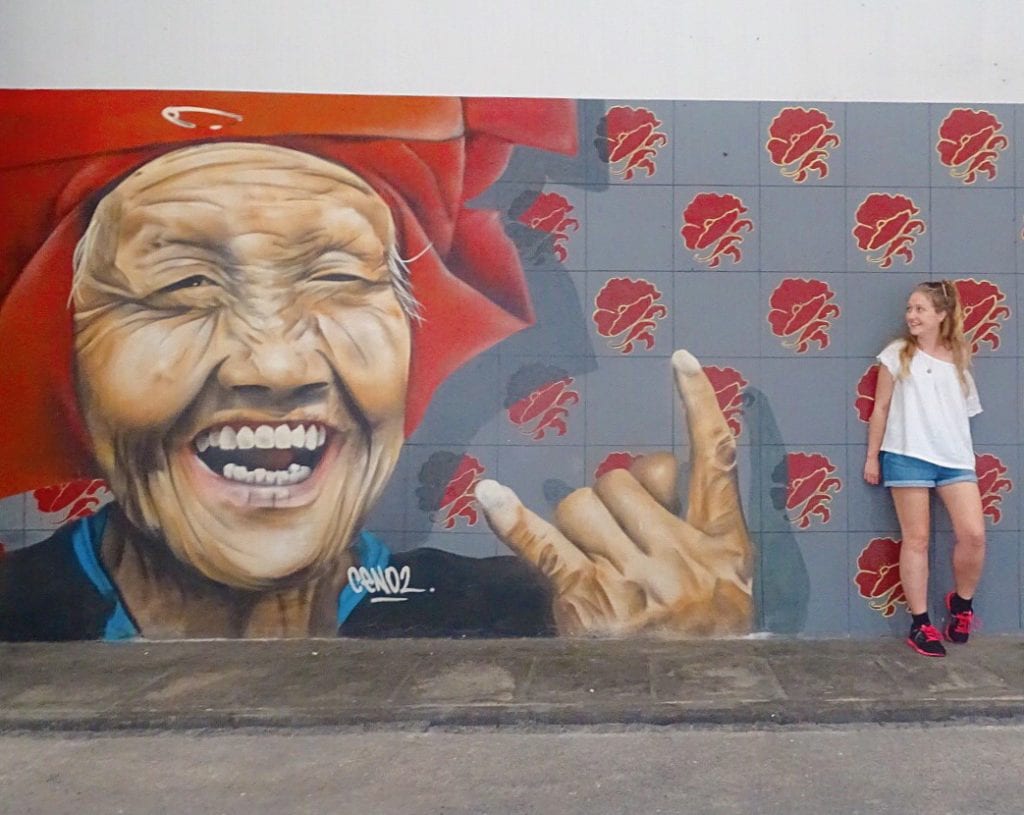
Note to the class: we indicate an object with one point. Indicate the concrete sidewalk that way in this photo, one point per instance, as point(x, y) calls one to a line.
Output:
point(450, 683)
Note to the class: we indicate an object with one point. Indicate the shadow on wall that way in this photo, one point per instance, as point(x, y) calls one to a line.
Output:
point(782, 585)
point(464, 410)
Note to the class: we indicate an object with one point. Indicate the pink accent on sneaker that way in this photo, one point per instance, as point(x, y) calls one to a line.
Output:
point(960, 623)
point(931, 634)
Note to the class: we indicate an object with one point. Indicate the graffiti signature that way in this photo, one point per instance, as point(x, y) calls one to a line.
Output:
point(391, 583)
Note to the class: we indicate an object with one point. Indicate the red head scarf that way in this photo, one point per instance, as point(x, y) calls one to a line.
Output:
point(426, 157)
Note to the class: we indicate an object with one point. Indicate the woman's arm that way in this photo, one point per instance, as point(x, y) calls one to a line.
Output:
point(876, 426)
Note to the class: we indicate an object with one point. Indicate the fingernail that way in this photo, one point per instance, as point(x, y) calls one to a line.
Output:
point(498, 501)
point(685, 362)
point(492, 494)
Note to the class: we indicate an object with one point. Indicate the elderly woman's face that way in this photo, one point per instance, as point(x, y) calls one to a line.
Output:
point(242, 358)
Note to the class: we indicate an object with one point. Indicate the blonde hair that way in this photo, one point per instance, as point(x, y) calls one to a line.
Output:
point(944, 297)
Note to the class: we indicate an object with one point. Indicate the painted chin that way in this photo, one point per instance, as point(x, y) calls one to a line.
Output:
point(250, 465)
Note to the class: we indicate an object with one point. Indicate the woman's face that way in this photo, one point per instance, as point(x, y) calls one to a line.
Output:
point(242, 359)
point(922, 318)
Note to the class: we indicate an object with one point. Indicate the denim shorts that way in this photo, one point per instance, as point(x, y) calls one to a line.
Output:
point(905, 471)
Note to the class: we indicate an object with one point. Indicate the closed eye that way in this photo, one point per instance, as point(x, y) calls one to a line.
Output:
point(193, 282)
point(339, 277)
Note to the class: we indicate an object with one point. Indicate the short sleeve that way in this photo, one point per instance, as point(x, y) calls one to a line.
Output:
point(890, 357)
point(973, 400)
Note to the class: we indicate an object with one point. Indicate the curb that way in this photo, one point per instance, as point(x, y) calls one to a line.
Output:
point(753, 715)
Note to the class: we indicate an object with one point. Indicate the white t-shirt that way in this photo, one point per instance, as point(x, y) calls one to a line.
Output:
point(928, 415)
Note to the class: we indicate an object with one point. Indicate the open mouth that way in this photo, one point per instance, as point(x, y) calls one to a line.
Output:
point(263, 454)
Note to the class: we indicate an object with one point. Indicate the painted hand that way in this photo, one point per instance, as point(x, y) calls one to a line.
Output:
point(620, 558)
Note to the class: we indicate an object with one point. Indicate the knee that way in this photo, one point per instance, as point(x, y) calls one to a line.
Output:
point(971, 538)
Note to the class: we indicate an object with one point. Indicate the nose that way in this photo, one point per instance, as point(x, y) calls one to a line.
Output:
point(278, 369)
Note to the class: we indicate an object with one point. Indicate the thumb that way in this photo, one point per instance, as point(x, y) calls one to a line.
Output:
point(529, 535)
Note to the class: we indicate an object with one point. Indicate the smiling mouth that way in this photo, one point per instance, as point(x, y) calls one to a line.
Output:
point(268, 455)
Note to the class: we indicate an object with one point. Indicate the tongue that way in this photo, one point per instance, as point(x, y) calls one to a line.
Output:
point(276, 459)
point(253, 458)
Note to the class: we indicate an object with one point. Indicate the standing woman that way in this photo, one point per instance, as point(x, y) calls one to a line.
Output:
point(919, 438)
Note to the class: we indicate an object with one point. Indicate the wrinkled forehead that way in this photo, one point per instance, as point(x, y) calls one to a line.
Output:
point(230, 176)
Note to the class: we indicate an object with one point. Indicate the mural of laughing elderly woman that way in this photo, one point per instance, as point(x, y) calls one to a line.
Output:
point(207, 307)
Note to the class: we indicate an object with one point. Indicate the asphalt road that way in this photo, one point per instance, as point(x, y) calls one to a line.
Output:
point(962, 769)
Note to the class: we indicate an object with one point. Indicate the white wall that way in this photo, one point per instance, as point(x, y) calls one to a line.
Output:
point(940, 50)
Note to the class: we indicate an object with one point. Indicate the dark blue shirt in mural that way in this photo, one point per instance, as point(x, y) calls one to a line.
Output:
point(59, 590)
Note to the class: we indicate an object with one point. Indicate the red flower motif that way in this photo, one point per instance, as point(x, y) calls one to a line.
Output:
point(798, 142)
point(615, 461)
point(728, 384)
point(800, 313)
point(458, 500)
point(810, 487)
point(544, 409)
point(984, 311)
point(969, 143)
point(886, 225)
point(73, 500)
point(626, 311)
point(628, 139)
point(865, 403)
point(549, 213)
point(992, 484)
point(878, 575)
point(712, 223)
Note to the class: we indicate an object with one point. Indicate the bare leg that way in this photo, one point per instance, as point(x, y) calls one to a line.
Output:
point(913, 513)
point(963, 503)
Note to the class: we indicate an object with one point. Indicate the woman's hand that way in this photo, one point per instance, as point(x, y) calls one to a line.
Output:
point(622, 559)
point(871, 469)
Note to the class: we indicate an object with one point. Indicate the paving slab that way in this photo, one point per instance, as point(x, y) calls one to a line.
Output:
point(227, 684)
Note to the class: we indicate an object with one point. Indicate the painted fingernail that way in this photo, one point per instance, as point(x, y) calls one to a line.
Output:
point(685, 362)
point(493, 495)
point(498, 501)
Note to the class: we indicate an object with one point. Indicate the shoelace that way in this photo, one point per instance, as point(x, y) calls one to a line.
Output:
point(962, 621)
point(931, 633)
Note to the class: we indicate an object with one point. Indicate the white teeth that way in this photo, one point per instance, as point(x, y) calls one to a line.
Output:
point(264, 478)
point(264, 437)
point(228, 438)
point(246, 439)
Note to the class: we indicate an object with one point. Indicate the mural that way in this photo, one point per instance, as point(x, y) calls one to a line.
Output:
point(293, 365)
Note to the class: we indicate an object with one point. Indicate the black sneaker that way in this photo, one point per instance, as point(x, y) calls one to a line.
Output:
point(926, 641)
point(958, 629)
